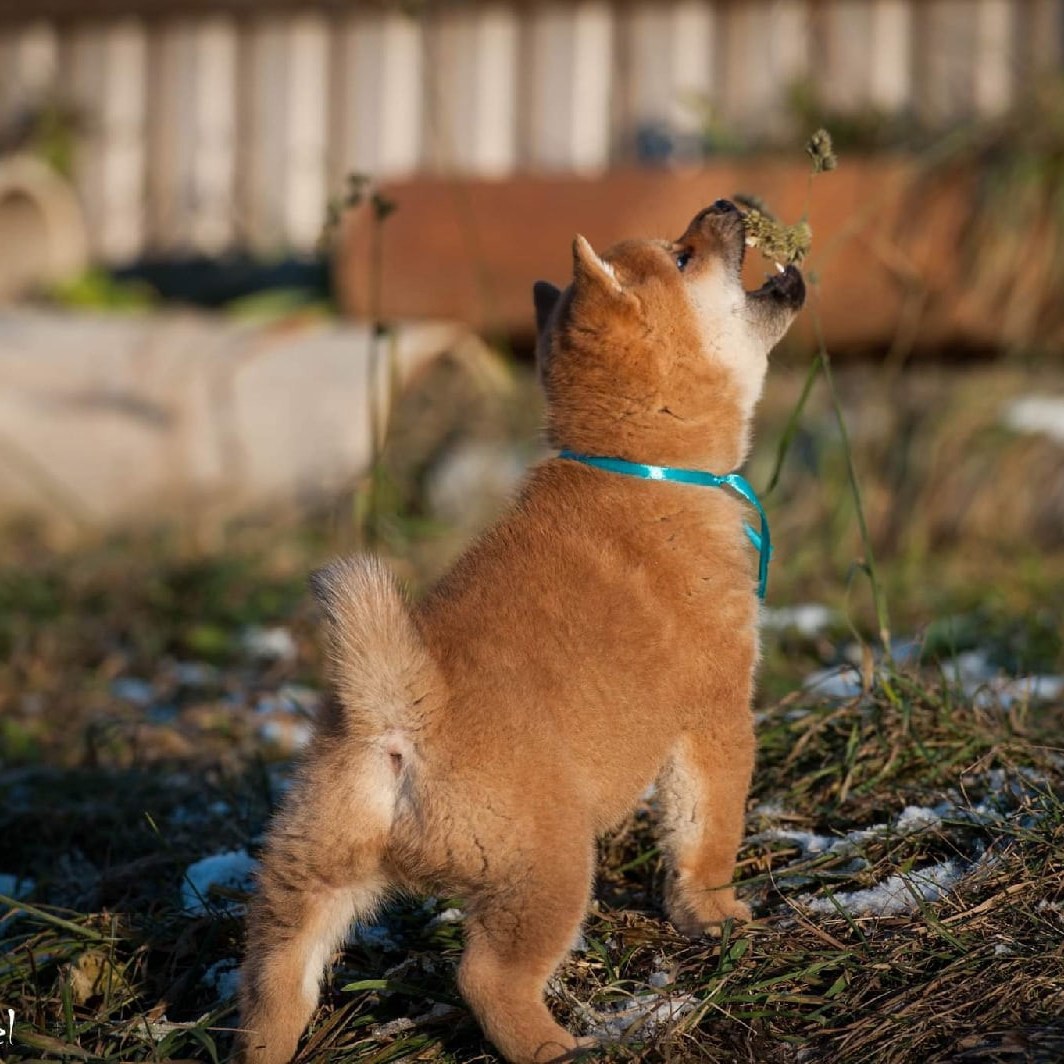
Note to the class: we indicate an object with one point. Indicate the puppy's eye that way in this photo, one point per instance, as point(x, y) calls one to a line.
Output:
point(682, 259)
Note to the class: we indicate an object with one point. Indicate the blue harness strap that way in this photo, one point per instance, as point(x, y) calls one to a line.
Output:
point(762, 540)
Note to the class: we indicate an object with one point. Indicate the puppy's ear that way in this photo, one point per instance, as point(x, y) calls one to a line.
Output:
point(545, 297)
point(589, 269)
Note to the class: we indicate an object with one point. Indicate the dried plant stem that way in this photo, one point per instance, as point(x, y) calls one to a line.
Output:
point(821, 152)
point(382, 362)
point(791, 428)
point(55, 921)
point(821, 365)
point(869, 565)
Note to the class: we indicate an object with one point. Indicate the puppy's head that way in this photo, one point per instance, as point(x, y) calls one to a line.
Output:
point(655, 352)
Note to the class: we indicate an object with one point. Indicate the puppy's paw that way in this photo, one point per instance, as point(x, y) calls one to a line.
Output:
point(708, 916)
point(587, 1048)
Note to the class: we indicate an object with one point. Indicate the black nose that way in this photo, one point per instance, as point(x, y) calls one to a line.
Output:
point(723, 206)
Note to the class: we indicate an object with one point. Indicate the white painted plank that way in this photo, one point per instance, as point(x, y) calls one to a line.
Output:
point(995, 56)
point(671, 64)
point(650, 88)
point(123, 115)
point(305, 129)
point(891, 72)
point(788, 47)
point(571, 87)
point(693, 63)
point(1045, 37)
point(494, 135)
point(450, 121)
point(592, 85)
point(28, 65)
point(948, 82)
point(159, 148)
point(845, 81)
point(401, 101)
point(83, 77)
point(750, 90)
point(107, 87)
point(384, 94)
point(361, 59)
point(550, 87)
point(262, 159)
point(212, 162)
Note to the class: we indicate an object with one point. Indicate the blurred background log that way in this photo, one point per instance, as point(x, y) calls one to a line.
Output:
point(884, 248)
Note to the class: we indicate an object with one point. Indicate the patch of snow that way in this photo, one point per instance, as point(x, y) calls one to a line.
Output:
point(440, 1011)
point(163, 713)
point(771, 810)
point(376, 936)
point(902, 651)
point(298, 698)
point(194, 674)
point(808, 842)
point(658, 980)
point(1003, 790)
point(911, 819)
point(969, 667)
point(17, 887)
point(981, 681)
point(223, 977)
point(234, 870)
point(159, 1029)
point(291, 699)
point(1006, 692)
point(840, 682)
point(892, 896)
point(269, 644)
point(448, 916)
point(906, 651)
point(640, 1014)
point(1032, 414)
point(129, 689)
point(807, 618)
point(918, 818)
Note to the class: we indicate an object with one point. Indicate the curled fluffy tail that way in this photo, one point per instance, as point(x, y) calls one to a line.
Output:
point(379, 665)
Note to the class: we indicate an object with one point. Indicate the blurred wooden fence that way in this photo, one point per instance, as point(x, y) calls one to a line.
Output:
point(204, 124)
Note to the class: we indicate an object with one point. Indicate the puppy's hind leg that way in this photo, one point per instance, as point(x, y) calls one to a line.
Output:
point(318, 875)
point(520, 928)
point(702, 793)
point(324, 859)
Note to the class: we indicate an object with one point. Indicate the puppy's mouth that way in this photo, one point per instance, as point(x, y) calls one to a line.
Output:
point(785, 288)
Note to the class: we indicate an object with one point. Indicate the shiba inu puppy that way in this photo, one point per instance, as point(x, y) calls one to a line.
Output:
point(603, 635)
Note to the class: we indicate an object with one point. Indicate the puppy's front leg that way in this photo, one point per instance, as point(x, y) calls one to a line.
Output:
point(702, 792)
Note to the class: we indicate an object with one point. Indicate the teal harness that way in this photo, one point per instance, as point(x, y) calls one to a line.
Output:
point(761, 540)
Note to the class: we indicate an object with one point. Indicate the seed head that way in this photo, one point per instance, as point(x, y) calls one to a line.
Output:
point(776, 241)
point(819, 149)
